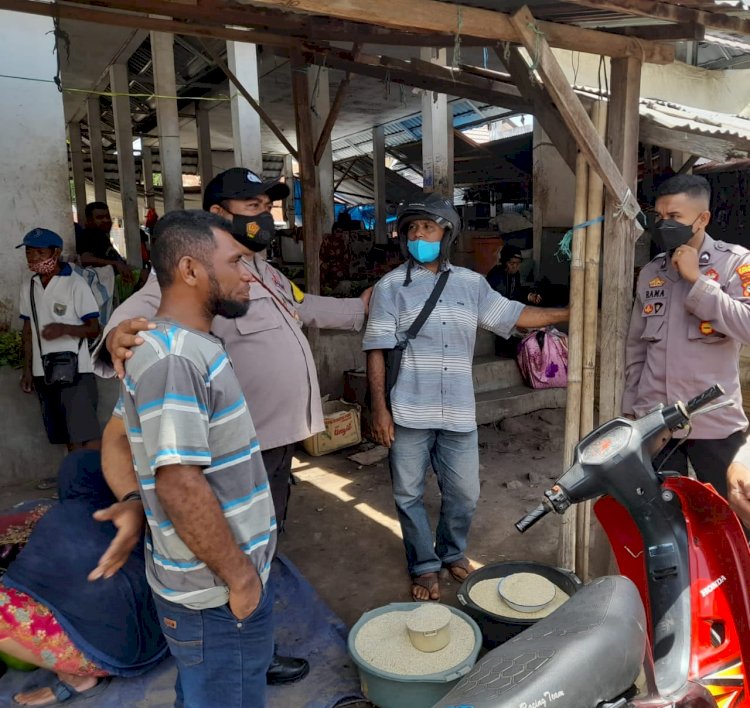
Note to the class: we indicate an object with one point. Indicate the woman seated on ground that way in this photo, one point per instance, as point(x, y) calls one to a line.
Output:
point(53, 616)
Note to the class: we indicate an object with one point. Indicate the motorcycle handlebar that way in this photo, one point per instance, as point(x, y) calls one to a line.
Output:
point(532, 517)
point(704, 398)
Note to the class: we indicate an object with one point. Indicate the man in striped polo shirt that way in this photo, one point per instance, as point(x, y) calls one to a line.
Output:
point(211, 524)
point(432, 418)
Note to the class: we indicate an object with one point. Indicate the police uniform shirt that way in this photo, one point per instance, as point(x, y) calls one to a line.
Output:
point(684, 338)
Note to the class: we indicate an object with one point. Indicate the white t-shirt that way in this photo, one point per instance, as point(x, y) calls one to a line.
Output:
point(67, 299)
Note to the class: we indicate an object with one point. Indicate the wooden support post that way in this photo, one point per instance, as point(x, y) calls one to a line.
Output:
point(437, 134)
point(573, 112)
point(568, 525)
point(333, 113)
point(79, 172)
point(620, 235)
point(310, 191)
point(147, 163)
point(289, 205)
point(119, 82)
point(205, 158)
point(96, 148)
point(378, 162)
point(590, 327)
point(242, 70)
point(233, 80)
point(167, 121)
point(320, 105)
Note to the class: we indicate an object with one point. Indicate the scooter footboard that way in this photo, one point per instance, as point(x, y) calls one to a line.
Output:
point(589, 651)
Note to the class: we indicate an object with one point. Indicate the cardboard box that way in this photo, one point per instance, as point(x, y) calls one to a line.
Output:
point(342, 429)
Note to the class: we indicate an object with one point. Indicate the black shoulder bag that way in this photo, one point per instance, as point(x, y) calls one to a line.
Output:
point(60, 368)
point(393, 356)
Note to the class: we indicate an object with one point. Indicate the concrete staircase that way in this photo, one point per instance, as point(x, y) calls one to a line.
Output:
point(500, 390)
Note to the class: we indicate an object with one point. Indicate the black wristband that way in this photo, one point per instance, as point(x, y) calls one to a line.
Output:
point(131, 496)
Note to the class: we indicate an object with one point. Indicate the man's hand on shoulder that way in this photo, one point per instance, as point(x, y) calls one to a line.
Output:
point(122, 339)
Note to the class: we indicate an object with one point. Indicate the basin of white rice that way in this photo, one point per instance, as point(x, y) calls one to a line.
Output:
point(383, 643)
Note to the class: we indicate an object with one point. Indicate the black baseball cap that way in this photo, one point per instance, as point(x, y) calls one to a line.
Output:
point(239, 183)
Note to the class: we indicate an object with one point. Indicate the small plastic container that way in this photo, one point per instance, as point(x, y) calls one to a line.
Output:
point(510, 593)
point(429, 632)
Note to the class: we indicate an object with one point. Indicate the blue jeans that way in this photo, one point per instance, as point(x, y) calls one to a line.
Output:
point(221, 661)
point(455, 459)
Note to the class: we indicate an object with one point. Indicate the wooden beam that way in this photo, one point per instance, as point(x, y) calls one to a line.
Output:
point(681, 31)
point(688, 165)
point(710, 147)
point(671, 13)
point(543, 109)
point(119, 19)
point(620, 236)
point(310, 191)
point(573, 113)
point(399, 71)
point(284, 23)
point(431, 15)
point(333, 113)
point(256, 106)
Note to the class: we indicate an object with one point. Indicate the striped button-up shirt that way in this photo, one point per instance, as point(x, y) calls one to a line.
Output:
point(435, 387)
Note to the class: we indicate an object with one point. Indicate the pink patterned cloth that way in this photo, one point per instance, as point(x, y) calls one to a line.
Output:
point(543, 359)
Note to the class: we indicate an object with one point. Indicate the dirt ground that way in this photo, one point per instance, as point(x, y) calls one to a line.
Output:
point(343, 534)
point(342, 531)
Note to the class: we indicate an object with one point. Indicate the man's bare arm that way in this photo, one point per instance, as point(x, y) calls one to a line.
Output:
point(194, 511)
point(128, 517)
point(532, 317)
point(382, 422)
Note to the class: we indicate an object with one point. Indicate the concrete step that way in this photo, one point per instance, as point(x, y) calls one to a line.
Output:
point(491, 373)
point(516, 400)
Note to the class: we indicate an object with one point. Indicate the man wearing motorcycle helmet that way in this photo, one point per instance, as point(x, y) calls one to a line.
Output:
point(431, 418)
point(690, 318)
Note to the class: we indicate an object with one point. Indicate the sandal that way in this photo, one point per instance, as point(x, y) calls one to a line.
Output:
point(428, 581)
point(64, 692)
point(460, 569)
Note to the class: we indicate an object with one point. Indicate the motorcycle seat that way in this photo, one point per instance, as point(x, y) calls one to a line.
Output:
point(588, 651)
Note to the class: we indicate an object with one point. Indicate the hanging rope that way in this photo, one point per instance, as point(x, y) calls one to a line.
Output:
point(538, 37)
point(564, 249)
point(387, 83)
point(485, 56)
point(506, 53)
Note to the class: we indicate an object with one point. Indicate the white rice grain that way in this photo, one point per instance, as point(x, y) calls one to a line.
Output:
point(485, 594)
point(384, 644)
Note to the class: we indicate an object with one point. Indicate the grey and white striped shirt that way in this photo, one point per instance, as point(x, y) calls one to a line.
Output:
point(435, 387)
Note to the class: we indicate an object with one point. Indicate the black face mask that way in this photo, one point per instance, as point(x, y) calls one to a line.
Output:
point(254, 232)
point(670, 234)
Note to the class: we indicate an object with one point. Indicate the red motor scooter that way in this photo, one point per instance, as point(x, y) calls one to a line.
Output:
point(675, 631)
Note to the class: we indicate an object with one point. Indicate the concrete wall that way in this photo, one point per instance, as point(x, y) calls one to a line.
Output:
point(726, 91)
point(34, 188)
point(339, 352)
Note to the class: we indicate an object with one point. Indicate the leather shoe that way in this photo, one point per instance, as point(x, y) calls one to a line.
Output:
point(286, 669)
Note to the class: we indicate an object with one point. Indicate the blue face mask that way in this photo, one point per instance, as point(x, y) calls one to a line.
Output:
point(424, 251)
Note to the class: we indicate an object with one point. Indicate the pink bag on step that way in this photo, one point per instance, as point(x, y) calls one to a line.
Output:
point(543, 358)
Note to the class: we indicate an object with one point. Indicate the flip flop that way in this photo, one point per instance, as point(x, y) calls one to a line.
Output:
point(460, 569)
point(64, 692)
point(429, 581)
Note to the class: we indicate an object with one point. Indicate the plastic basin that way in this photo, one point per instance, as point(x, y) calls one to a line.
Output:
point(387, 690)
point(497, 629)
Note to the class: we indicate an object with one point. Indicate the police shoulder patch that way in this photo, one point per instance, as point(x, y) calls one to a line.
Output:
point(297, 294)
